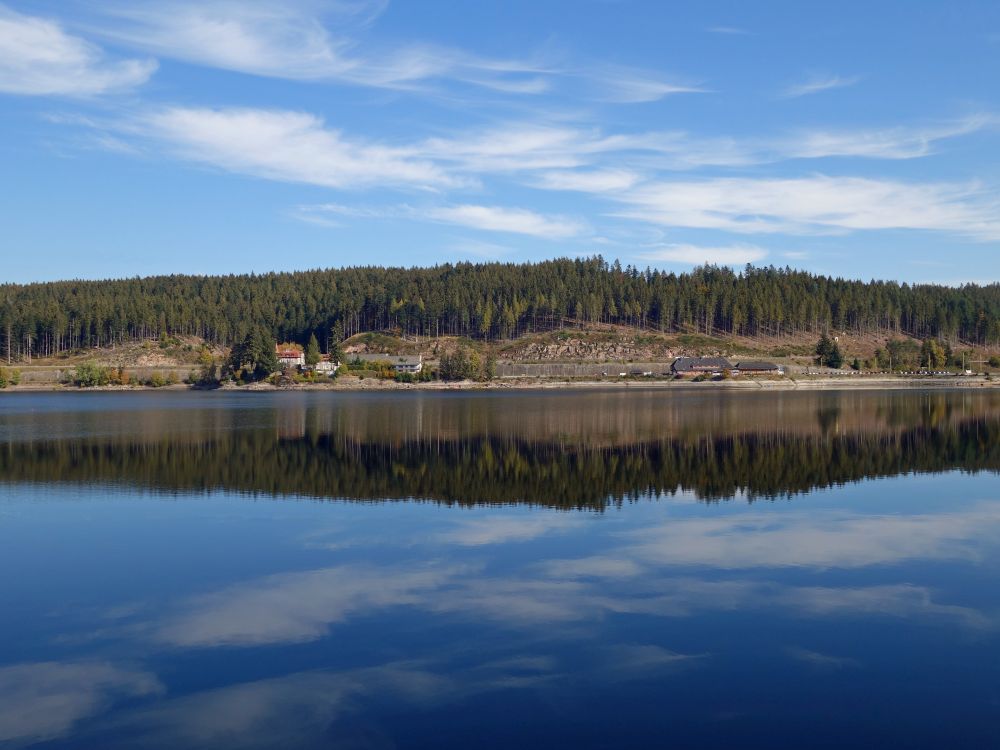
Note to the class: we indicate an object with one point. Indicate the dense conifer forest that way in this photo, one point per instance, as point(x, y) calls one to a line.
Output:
point(490, 300)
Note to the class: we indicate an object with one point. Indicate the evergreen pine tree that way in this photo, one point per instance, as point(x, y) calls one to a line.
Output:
point(312, 351)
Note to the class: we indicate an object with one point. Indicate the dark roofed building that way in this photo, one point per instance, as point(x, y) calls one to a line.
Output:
point(701, 365)
point(762, 368)
point(400, 363)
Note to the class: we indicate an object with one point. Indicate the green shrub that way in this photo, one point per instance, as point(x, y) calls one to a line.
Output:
point(166, 342)
point(464, 363)
point(9, 377)
point(90, 375)
point(156, 380)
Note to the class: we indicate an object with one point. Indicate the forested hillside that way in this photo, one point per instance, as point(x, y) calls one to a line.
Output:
point(484, 300)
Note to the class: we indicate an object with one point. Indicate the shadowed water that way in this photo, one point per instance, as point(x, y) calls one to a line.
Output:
point(478, 569)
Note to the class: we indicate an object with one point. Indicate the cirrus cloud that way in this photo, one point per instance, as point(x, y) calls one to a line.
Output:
point(818, 83)
point(284, 145)
point(815, 205)
point(37, 57)
point(696, 255)
point(44, 700)
point(515, 220)
point(484, 218)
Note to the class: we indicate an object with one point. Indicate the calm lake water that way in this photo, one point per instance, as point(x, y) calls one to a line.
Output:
point(458, 570)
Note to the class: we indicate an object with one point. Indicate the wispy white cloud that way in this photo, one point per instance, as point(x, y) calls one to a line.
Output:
point(887, 143)
point(309, 41)
point(277, 39)
point(598, 566)
point(256, 714)
point(892, 600)
point(731, 30)
point(513, 220)
point(730, 255)
point(589, 160)
point(324, 703)
point(44, 700)
point(635, 660)
point(300, 147)
point(821, 660)
point(516, 601)
point(304, 40)
point(283, 145)
point(294, 607)
point(815, 541)
point(484, 218)
point(817, 83)
point(327, 213)
point(512, 148)
point(589, 181)
point(37, 57)
point(816, 204)
point(507, 529)
point(302, 606)
point(624, 169)
point(631, 86)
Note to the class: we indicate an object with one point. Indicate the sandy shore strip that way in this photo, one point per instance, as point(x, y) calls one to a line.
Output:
point(845, 382)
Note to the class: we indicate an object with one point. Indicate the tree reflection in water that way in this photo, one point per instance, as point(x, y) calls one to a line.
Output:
point(577, 451)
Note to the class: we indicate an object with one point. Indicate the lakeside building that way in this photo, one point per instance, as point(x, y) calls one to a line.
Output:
point(325, 366)
point(289, 356)
point(759, 368)
point(701, 365)
point(400, 362)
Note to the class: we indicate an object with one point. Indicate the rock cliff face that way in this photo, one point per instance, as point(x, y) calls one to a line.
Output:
point(570, 349)
point(570, 346)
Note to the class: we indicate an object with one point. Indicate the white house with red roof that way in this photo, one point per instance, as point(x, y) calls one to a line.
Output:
point(290, 356)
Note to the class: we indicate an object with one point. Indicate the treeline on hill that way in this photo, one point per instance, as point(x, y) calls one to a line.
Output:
point(489, 300)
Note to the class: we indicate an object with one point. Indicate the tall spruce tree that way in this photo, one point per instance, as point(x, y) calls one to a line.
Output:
point(312, 351)
point(253, 358)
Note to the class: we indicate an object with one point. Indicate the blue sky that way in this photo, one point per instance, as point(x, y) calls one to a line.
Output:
point(856, 139)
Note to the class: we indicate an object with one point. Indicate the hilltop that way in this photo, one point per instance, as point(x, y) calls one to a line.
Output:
point(755, 309)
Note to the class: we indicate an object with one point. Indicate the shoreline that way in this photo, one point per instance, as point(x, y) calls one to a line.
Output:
point(506, 384)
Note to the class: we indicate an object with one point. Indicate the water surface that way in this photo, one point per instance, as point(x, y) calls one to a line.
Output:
point(478, 569)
